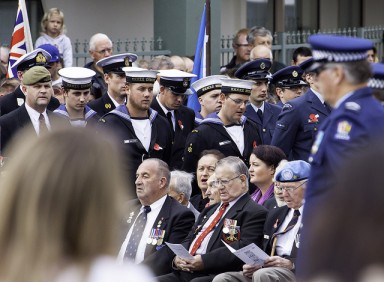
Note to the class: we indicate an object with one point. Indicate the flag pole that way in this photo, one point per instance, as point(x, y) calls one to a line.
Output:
point(208, 46)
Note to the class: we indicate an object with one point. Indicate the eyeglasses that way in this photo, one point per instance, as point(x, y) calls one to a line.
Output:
point(225, 182)
point(239, 101)
point(102, 52)
point(290, 189)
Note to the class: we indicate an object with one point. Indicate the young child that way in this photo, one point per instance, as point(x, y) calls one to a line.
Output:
point(53, 28)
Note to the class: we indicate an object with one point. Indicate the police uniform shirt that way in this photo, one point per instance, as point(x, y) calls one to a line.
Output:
point(165, 110)
point(285, 241)
point(204, 244)
point(151, 217)
point(237, 134)
point(143, 130)
point(34, 116)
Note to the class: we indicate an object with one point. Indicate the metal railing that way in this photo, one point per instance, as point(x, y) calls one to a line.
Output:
point(145, 49)
point(284, 43)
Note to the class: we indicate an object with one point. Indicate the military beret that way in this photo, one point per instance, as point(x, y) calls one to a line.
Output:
point(35, 75)
point(293, 171)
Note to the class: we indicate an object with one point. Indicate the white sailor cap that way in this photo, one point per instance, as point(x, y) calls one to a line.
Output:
point(139, 75)
point(115, 63)
point(207, 84)
point(177, 81)
point(236, 86)
point(377, 80)
point(77, 77)
point(38, 57)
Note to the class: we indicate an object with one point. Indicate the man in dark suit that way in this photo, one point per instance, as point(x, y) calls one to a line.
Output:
point(114, 77)
point(37, 86)
point(281, 231)
point(228, 130)
point(237, 220)
point(299, 121)
point(12, 101)
point(165, 219)
point(259, 111)
point(174, 86)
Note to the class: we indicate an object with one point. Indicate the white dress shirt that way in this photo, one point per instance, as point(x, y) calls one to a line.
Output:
point(34, 116)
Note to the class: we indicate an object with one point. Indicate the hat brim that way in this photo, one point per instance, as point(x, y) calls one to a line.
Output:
point(188, 92)
point(313, 67)
point(292, 180)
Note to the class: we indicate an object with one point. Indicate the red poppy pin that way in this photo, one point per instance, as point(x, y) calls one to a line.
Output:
point(180, 124)
point(157, 147)
point(313, 118)
point(254, 144)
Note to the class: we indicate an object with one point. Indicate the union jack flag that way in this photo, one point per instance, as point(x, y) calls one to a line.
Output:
point(21, 42)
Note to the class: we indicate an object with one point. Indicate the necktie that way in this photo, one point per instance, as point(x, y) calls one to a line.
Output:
point(290, 225)
point(42, 125)
point(137, 233)
point(260, 114)
point(169, 118)
point(209, 228)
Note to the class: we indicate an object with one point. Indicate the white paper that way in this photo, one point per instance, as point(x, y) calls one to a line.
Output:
point(250, 254)
point(179, 250)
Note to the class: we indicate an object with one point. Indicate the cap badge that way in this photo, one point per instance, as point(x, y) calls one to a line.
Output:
point(185, 82)
point(295, 74)
point(40, 58)
point(262, 66)
point(287, 174)
point(127, 62)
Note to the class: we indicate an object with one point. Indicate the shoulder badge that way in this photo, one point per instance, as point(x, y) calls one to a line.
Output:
point(343, 130)
point(190, 148)
point(353, 106)
point(287, 106)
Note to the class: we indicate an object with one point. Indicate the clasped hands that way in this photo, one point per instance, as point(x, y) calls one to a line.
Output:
point(274, 261)
point(190, 265)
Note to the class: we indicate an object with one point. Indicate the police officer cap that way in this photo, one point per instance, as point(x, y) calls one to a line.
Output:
point(38, 57)
point(116, 63)
point(306, 64)
point(293, 171)
point(206, 84)
point(139, 75)
point(53, 51)
point(334, 48)
point(377, 80)
point(77, 78)
point(177, 81)
point(236, 86)
point(255, 70)
point(35, 75)
point(288, 77)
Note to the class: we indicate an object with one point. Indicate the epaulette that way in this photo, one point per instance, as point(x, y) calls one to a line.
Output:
point(353, 106)
point(287, 106)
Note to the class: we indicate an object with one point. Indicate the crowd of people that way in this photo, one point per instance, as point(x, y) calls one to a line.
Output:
point(103, 166)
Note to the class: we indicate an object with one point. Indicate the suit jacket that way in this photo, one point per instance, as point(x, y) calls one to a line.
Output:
point(102, 105)
point(13, 122)
point(14, 100)
point(298, 124)
point(185, 122)
point(250, 218)
point(175, 219)
point(267, 126)
point(274, 220)
point(212, 135)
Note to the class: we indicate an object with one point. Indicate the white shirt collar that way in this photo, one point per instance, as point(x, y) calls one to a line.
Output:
point(318, 95)
point(165, 110)
point(113, 100)
point(256, 108)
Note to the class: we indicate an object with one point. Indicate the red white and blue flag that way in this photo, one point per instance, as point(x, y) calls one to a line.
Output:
point(21, 42)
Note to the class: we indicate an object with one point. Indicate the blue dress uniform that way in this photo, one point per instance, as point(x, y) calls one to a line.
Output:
point(356, 120)
point(258, 70)
point(211, 134)
point(298, 124)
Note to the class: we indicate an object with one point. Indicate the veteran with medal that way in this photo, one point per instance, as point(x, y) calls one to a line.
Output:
point(237, 220)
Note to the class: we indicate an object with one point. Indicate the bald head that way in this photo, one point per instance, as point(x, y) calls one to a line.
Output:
point(261, 52)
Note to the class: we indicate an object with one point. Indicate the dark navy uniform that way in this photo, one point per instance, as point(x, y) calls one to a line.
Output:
point(185, 122)
point(298, 124)
point(102, 105)
point(268, 124)
point(90, 116)
point(211, 134)
point(119, 122)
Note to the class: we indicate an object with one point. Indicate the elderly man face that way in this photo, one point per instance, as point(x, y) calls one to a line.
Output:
point(293, 193)
point(230, 184)
point(212, 191)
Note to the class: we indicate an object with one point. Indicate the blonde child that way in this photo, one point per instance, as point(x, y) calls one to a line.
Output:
point(53, 30)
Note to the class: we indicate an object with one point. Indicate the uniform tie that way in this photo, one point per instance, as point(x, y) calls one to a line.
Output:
point(169, 118)
point(209, 228)
point(260, 114)
point(42, 125)
point(137, 233)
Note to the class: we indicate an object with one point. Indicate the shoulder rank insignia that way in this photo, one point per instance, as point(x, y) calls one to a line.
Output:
point(287, 106)
point(190, 148)
point(108, 106)
point(343, 129)
point(353, 106)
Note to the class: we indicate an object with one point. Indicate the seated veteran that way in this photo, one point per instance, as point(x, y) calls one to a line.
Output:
point(237, 221)
point(212, 193)
point(281, 230)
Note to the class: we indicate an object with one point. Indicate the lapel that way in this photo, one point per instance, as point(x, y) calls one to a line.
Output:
point(268, 113)
point(133, 211)
point(156, 106)
point(251, 114)
point(23, 118)
point(106, 101)
point(279, 219)
point(316, 103)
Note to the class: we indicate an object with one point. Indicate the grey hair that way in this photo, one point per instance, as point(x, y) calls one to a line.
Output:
point(95, 38)
point(161, 63)
point(236, 165)
point(182, 182)
point(357, 72)
point(257, 31)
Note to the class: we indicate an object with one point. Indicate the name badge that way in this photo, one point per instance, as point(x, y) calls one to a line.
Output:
point(130, 141)
point(224, 142)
